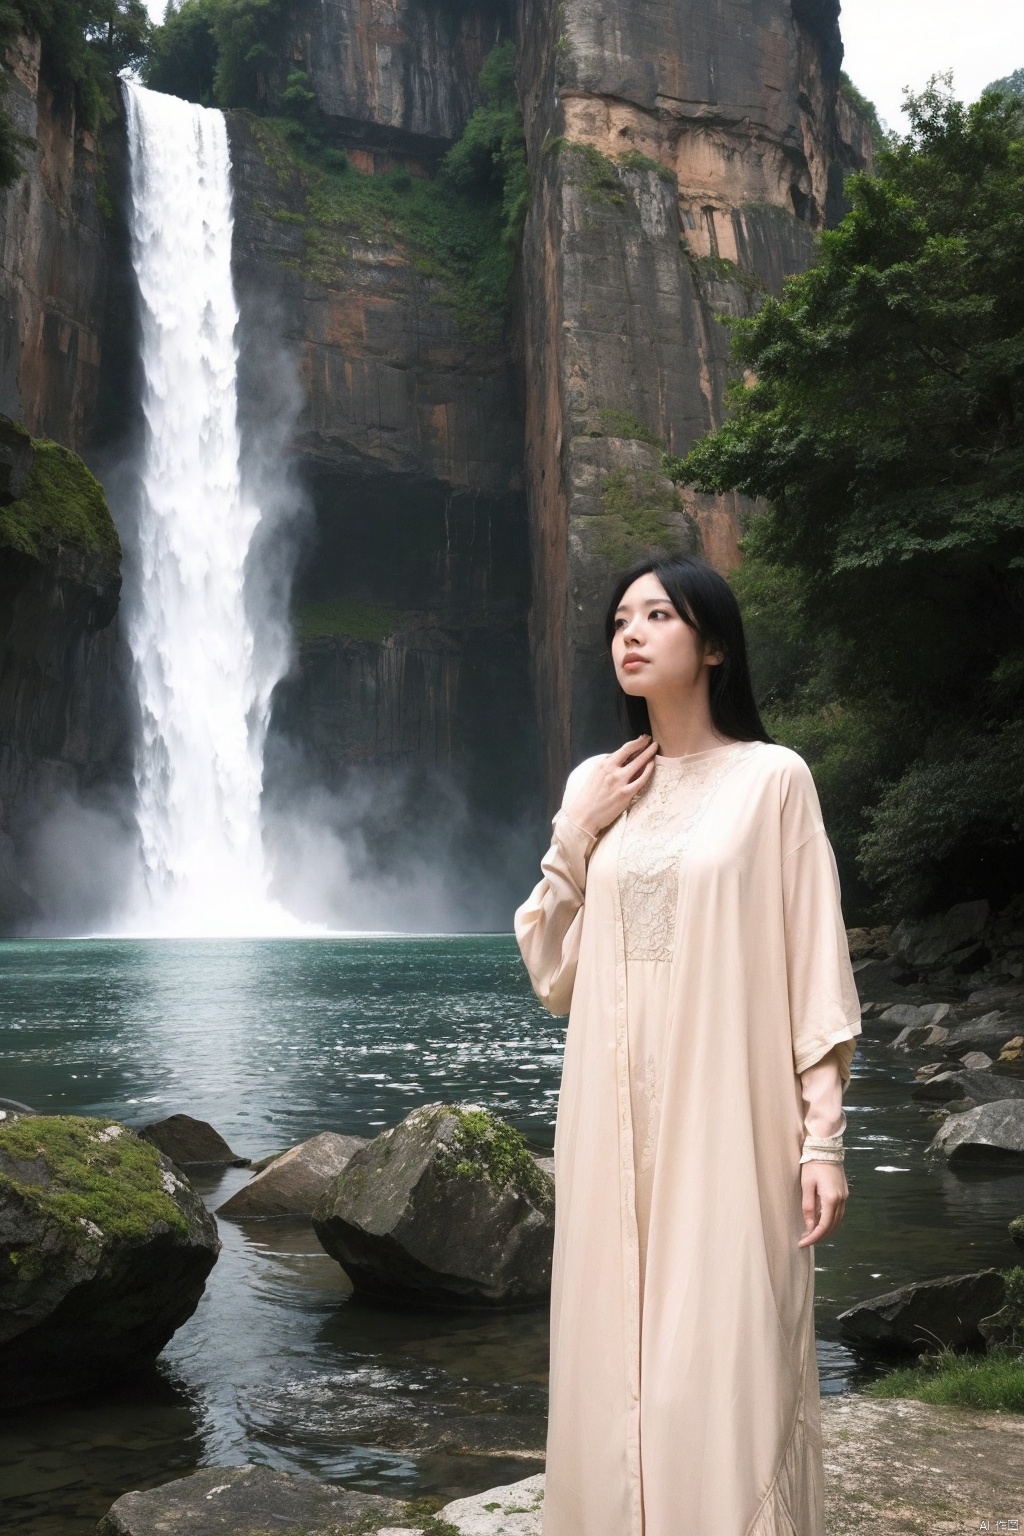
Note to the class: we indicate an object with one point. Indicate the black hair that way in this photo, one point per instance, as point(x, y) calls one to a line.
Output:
point(704, 600)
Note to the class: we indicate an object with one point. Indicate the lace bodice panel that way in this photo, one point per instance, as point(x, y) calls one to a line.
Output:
point(660, 825)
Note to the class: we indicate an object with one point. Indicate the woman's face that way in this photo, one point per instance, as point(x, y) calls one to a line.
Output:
point(653, 649)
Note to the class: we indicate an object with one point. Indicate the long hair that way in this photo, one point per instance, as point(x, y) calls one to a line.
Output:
point(704, 600)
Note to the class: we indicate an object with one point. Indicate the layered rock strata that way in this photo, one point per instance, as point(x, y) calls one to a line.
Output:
point(684, 155)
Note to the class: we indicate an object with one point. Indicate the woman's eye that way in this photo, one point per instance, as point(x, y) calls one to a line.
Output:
point(658, 613)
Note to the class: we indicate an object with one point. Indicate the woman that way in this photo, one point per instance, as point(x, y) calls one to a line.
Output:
point(689, 922)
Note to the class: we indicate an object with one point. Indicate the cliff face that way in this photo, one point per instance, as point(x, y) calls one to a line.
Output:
point(52, 264)
point(469, 488)
point(403, 65)
point(684, 155)
point(62, 720)
point(413, 583)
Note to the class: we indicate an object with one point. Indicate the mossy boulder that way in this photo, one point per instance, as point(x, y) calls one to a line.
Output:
point(104, 1252)
point(50, 499)
point(447, 1209)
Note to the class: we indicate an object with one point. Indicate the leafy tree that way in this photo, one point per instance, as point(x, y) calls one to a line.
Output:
point(183, 56)
point(883, 425)
point(84, 46)
point(490, 157)
point(1013, 84)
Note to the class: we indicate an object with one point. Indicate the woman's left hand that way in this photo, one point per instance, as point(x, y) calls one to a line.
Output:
point(825, 1192)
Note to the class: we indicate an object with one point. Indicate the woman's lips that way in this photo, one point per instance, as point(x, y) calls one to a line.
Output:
point(634, 661)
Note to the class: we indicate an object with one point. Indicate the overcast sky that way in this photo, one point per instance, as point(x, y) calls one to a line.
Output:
point(893, 43)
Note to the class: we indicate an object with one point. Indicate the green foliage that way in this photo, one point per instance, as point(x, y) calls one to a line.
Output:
point(486, 1147)
point(719, 269)
point(633, 160)
point(348, 620)
point(62, 1166)
point(625, 424)
point(462, 228)
point(84, 46)
point(1013, 84)
point(489, 160)
point(993, 1381)
point(966, 790)
point(635, 501)
point(183, 58)
point(63, 503)
point(884, 427)
point(865, 109)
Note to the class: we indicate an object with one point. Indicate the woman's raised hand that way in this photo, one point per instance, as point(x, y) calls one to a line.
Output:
point(612, 784)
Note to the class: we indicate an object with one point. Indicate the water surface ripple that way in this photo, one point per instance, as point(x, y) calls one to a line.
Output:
point(274, 1040)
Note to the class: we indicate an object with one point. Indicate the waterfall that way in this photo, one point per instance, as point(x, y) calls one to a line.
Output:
point(203, 670)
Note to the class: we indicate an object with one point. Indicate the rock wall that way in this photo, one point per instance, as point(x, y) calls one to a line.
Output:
point(405, 65)
point(684, 155)
point(413, 580)
point(52, 264)
point(66, 373)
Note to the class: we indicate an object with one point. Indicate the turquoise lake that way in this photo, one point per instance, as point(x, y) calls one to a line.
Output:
point(274, 1040)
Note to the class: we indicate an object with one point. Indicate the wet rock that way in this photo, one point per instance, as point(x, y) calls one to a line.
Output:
point(291, 1185)
point(976, 1061)
point(882, 981)
point(982, 1087)
point(934, 940)
point(446, 1209)
point(11, 1107)
point(186, 1142)
point(513, 1510)
point(104, 1251)
point(988, 1033)
point(920, 1037)
point(240, 1501)
point(1005, 994)
point(992, 1132)
point(911, 1016)
point(917, 1317)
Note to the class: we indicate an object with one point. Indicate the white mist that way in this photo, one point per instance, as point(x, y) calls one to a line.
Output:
point(203, 670)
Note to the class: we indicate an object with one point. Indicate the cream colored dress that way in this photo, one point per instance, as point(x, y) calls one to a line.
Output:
point(705, 970)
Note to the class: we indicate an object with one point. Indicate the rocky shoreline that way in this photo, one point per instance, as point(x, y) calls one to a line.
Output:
point(899, 1465)
point(451, 1209)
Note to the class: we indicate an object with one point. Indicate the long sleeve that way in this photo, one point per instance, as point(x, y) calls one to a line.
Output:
point(823, 1002)
point(821, 1087)
point(549, 922)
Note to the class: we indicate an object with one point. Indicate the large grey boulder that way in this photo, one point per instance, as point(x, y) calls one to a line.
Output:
point(987, 1033)
point(993, 1132)
point(292, 1184)
point(104, 1251)
point(446, 1209)
point(191, 1143)
point(918, 1317)
point(982, 1087)
point(240, 1501)
point(937, 940)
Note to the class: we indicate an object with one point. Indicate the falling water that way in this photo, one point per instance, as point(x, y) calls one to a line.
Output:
point(203, 673)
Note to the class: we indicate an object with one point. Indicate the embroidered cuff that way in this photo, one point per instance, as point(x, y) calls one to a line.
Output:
point(823, 1149)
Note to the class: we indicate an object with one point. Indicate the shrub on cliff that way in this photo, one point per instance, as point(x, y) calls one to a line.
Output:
point(882, 420)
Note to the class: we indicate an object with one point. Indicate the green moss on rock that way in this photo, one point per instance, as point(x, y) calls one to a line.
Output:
point(486, 1147)
point(62, 503)
point(348, 620)
point(90, 1178)
point(636, 503)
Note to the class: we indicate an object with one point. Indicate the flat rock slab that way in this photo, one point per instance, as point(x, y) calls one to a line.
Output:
point(240, 1501)
point(292, 1184)
point(513, 1510)
point(911, 1469)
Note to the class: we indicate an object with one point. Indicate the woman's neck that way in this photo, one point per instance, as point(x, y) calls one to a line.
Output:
point(680, 731)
